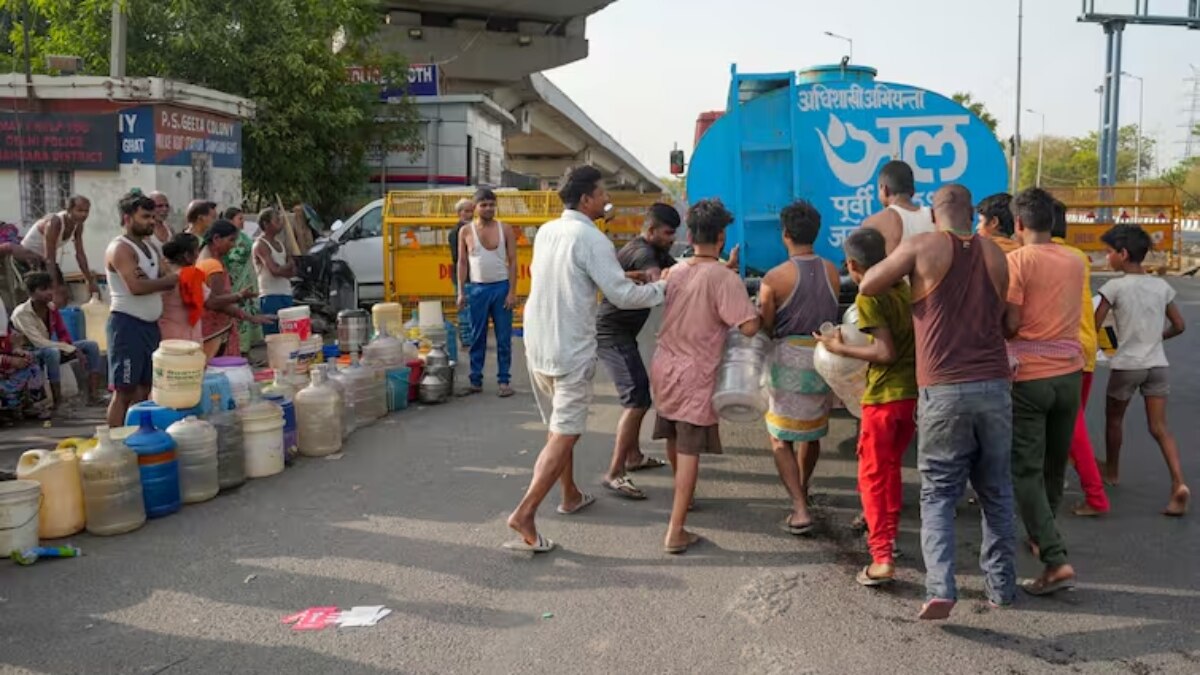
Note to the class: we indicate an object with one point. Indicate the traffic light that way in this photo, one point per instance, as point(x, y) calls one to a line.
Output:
point(677, 162)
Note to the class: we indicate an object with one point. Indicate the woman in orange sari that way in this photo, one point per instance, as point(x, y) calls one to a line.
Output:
point(219, 327)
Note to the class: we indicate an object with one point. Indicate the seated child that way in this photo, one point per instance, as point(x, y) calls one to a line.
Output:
point(704, 300)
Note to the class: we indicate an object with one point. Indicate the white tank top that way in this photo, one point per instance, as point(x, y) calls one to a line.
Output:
point(269, 284)
point(487, 266)
point(35, 239)
point(145, 307)
point(914, 222)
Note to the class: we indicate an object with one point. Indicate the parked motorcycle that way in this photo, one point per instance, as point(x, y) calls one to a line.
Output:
point(325, 284)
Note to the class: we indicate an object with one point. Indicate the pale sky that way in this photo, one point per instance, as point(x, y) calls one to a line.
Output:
point(654, 65)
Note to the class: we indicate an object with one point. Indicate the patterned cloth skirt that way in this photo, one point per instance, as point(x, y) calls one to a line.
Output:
point(800, 400)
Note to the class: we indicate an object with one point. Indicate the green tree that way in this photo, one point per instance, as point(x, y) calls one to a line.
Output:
point(676, 186)
point(1069, 162)
point(1186, 177)
point(966, 100)
point(313, 127)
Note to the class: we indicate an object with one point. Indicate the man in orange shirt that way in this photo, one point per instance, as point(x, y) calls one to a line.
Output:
point(1041, 323)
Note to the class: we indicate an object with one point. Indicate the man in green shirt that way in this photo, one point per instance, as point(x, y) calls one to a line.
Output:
point(889, 402)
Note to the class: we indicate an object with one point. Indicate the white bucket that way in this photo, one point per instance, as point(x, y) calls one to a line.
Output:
point(19, 501)
point(429, 313)
point(296, 320)
point(263, 440)
point(280, 348)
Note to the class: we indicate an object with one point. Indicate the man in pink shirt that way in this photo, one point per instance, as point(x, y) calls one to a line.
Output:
point(704, 300)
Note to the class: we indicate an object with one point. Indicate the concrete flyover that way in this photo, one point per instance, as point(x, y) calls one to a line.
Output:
point(498, 48)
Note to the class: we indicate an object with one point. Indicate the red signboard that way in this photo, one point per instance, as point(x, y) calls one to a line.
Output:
point(58, 141)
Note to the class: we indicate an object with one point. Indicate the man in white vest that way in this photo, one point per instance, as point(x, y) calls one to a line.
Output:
point(900, 217)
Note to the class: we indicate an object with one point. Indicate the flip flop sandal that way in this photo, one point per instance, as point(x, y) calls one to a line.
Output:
point(864, 578)
point(587, 501)
point(692, 540)
point(797, 529)
point(542, 545)
point(936, 609)
point(1037, 587)
point(624, 488)
point(647, 462)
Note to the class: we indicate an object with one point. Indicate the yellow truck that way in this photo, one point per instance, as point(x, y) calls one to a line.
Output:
point(417, 226)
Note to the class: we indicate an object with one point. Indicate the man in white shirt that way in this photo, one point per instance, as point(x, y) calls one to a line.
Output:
point(573, 261)
point(900, 218)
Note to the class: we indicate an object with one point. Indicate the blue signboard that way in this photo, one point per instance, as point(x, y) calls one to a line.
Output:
point(825, 141)
point(169, 136)
point(423, 80)
point(137, 135)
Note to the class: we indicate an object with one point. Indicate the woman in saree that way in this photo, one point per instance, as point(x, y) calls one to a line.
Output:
point(22, 385)
point(220, 328)
point(239, 264)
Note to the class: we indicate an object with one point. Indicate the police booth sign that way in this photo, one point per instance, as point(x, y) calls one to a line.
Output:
point(423, 80)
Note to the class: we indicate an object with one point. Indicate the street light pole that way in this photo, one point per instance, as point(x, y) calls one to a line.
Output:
point(1016, 155)
point(848, 40)
point(1099, 129)
point(1137, 181)
point(1041, 144)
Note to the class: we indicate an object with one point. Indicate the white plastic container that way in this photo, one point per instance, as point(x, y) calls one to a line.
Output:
point(95, 321)
point(296, 320)
point(262, 433)
point(196, 449)
point(388, 317)
point(18, 515)
point(112, 486)
point(308, 352)
point(281, 348)
point(429, 313)
point(178, 379)
point(319, 409)
point(237, 371)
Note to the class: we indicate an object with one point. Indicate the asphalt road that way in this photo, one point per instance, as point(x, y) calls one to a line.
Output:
point(412, 517)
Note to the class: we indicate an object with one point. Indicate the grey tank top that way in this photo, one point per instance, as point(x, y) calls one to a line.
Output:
point(813, 301)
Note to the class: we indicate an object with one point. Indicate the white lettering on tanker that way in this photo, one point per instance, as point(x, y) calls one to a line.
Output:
point(854, 208)
point(856, 97)
point(904, 136)
point(857, 206)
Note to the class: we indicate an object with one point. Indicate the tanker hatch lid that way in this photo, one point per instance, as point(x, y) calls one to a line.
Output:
point(748, 86)
point(837, 72)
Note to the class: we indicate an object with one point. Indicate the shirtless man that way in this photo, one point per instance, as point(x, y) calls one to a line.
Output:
point(964, 415)
point(50, 234)
point(900, 217)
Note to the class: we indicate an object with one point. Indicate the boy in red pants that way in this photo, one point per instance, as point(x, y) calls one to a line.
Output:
point(889, 402)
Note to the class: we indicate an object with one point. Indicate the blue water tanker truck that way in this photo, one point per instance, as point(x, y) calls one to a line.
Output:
point(822, 135)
